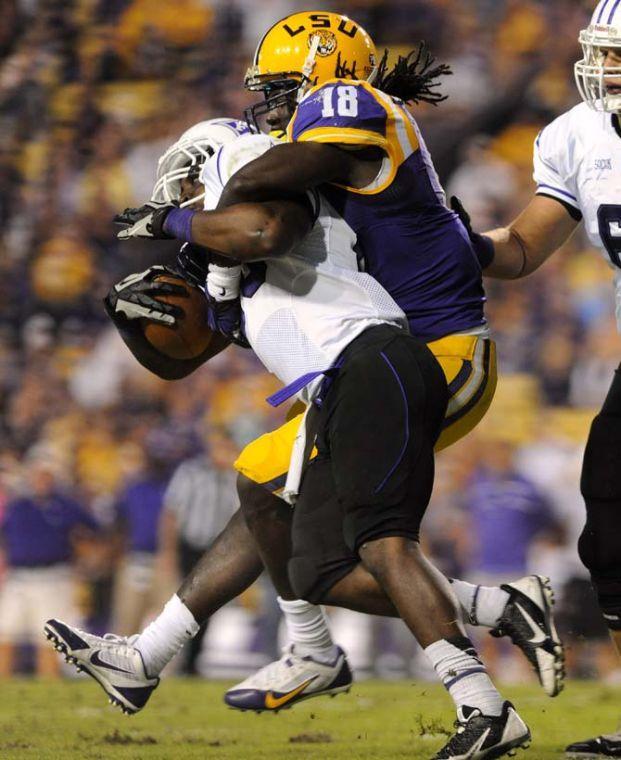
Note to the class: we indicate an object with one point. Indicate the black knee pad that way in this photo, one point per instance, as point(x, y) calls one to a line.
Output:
point(599, 546)
point(304, 577)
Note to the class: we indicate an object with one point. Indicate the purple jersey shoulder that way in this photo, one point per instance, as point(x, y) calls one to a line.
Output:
point(340, 104)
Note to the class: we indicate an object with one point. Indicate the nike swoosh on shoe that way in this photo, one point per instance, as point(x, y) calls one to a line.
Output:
point(96, 660)
point(539, 637)
point(272, 702)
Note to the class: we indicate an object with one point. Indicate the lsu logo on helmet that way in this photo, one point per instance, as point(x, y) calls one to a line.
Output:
point(327, 44)
point(306, 48)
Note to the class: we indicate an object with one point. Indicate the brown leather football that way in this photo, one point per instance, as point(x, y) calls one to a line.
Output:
point(190, 336)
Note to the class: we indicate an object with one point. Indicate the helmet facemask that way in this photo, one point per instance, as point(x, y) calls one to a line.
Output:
point(592, 77)
point(283, 93)
point(280, 91)
point(183, 160)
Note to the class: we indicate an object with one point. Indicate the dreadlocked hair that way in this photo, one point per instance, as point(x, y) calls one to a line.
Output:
point(413, 78)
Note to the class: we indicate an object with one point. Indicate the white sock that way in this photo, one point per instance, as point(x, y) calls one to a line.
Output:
point(307, 627)
point(481, 605)
point(163, 638)
point(464, 675)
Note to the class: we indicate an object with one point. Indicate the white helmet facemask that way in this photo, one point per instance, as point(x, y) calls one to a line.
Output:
point(592, 77)
point(181, 160)
point(185, 158)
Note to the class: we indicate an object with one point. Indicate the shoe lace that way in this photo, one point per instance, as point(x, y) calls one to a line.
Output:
point(120, 648)
point(270, 672)
point(114, 639)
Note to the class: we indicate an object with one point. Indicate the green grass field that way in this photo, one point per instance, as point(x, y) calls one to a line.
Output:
point(187, 719)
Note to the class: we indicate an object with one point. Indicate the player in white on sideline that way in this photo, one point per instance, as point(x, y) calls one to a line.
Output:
point(577, 168)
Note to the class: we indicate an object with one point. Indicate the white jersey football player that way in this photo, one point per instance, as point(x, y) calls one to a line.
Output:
point(315, 300)
point(577, 168)
point(300, 312)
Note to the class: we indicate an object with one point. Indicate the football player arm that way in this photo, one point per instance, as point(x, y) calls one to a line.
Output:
point(295, 168)
point(525, 244)
point(158, 363)
point(253, 231)
point(245, 232)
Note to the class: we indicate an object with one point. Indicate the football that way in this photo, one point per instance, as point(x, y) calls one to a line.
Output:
point(190, 336)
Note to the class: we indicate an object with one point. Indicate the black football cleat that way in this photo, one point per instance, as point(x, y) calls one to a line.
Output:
point(481, 736)
point(600, 746)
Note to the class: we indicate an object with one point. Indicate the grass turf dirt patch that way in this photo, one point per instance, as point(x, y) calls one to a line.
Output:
point(187, 719)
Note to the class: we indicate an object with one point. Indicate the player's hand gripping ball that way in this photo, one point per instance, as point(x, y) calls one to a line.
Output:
point(171, 310)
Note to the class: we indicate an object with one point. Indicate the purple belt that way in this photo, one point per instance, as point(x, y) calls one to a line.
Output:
point(276, 399)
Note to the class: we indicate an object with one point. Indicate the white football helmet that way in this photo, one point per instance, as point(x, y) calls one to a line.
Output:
point(603, 33)
point(186, 156)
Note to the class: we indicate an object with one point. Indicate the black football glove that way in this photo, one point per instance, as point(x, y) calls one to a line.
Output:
point(483, 245)
point(145, 222)
point(464, 217)
point(135, 297)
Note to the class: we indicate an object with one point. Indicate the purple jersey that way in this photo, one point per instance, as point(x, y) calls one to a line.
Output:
point(409, 241)
point(37, 532)
point(507, 513)
point(139, 507)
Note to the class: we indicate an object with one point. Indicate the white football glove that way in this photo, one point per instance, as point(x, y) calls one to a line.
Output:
point(144, 222)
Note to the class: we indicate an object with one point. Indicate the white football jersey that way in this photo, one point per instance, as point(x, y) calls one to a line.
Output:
point(578, 161)
point(303, 309)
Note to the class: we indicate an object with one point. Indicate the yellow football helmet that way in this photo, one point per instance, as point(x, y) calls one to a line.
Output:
point(306, 49)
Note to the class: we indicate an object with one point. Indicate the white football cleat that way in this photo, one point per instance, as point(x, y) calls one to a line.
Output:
point(293, 678)
point(111, 660)
point(527, 619)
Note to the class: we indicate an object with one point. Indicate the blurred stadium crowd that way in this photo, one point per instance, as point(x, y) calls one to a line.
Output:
point(91, 93)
